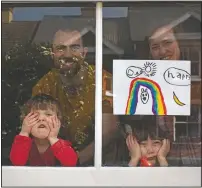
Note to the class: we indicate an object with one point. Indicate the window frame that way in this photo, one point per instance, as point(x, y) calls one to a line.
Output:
point(187, 122)
point(105, 176)
point(98, 175)
point(193, 77)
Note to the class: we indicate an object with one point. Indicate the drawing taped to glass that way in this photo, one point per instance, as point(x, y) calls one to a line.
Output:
point(177, 101)
point(145, 91)
point(149, 69)
point(176, 76)
point(158, 104)
point(133, 71)
point(144, 96)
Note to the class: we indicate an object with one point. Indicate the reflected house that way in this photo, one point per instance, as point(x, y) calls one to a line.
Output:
point(186, 131)
point(122, 38)
point(115, 38)
point(13, 32)
point(16, 32)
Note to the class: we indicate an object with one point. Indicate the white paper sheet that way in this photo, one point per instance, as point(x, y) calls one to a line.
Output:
point(151, 87)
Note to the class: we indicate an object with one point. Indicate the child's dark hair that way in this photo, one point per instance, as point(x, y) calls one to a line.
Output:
point(147, 126)
point(42, 102)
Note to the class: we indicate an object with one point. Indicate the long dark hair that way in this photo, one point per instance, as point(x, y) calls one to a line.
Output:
point(148, 127)
point(142, 127)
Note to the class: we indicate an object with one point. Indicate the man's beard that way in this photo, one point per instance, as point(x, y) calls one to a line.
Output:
point(68, 66)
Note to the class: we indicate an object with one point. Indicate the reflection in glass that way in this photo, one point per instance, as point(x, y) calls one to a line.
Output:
point(181, 118)
point(195, 69)
point(160, 31)
point(193, 130)
point(195, 114)
point(50, 56)
point(181, 130)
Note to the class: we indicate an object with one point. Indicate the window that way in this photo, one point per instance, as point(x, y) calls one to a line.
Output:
point(117, 33)
point(189, 126)
point(143, 43)
point(35, 53)
point(187, 134)
point(193, 54)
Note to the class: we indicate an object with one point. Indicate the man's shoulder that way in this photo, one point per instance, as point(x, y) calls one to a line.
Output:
point(48, 77)
point(51, 74)
point(46, 83)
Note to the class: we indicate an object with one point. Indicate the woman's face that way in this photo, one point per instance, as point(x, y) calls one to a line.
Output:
point(150, 148)
point(163, 45)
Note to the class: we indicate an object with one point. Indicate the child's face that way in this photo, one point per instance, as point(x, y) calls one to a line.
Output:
point(150, 148)
point(41, 130)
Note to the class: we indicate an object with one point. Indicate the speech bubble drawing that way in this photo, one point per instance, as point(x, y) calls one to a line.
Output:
point(133, 72)
point(177, 77)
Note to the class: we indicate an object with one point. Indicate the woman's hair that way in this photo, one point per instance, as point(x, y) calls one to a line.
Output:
point(148, 126)
point(41, 102)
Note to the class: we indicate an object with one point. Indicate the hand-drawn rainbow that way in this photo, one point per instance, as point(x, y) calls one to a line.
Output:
point(158, 105)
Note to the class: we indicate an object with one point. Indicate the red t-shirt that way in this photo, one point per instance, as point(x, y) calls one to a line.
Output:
point(24, 151)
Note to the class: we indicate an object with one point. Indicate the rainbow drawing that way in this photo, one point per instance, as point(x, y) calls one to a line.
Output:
point(158, 105)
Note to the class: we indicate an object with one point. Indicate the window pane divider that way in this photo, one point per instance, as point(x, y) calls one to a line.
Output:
point(98, 88)
point(98, 175)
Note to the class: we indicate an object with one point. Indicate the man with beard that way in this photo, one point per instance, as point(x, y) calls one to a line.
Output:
point(72, 83)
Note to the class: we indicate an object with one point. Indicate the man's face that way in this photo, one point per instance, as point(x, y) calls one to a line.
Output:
point(68, 52)
point(163, 45)
point(150, 148)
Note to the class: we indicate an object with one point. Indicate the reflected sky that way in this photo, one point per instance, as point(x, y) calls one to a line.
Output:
point(37, 13)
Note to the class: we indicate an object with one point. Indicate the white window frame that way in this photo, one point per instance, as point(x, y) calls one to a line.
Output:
point(186, 122)
point(194, 77)
point(98, 175)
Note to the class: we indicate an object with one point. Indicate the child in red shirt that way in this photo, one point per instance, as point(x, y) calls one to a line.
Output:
point(41, 117)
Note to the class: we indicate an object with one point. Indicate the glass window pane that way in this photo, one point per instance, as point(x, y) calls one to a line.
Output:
point(181, 118)
point(195, 69)
point(193, 130)
point(194, 54)
point(185, 53)
point(195, 113)
point(48, 53)
point(181, 130)
point(132, 34)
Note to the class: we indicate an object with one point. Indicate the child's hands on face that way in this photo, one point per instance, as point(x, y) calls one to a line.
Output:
point(165, 148)
point(54, 125)
point(133, 147)
point(29, 121)
point(163, 152)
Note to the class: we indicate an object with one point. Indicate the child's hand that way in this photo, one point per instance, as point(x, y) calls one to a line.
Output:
point(29, 121)
point(54, 125)
point(163, 152)
point(134, 149)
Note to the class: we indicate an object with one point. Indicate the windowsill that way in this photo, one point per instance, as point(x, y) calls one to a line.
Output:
point(93, 177)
